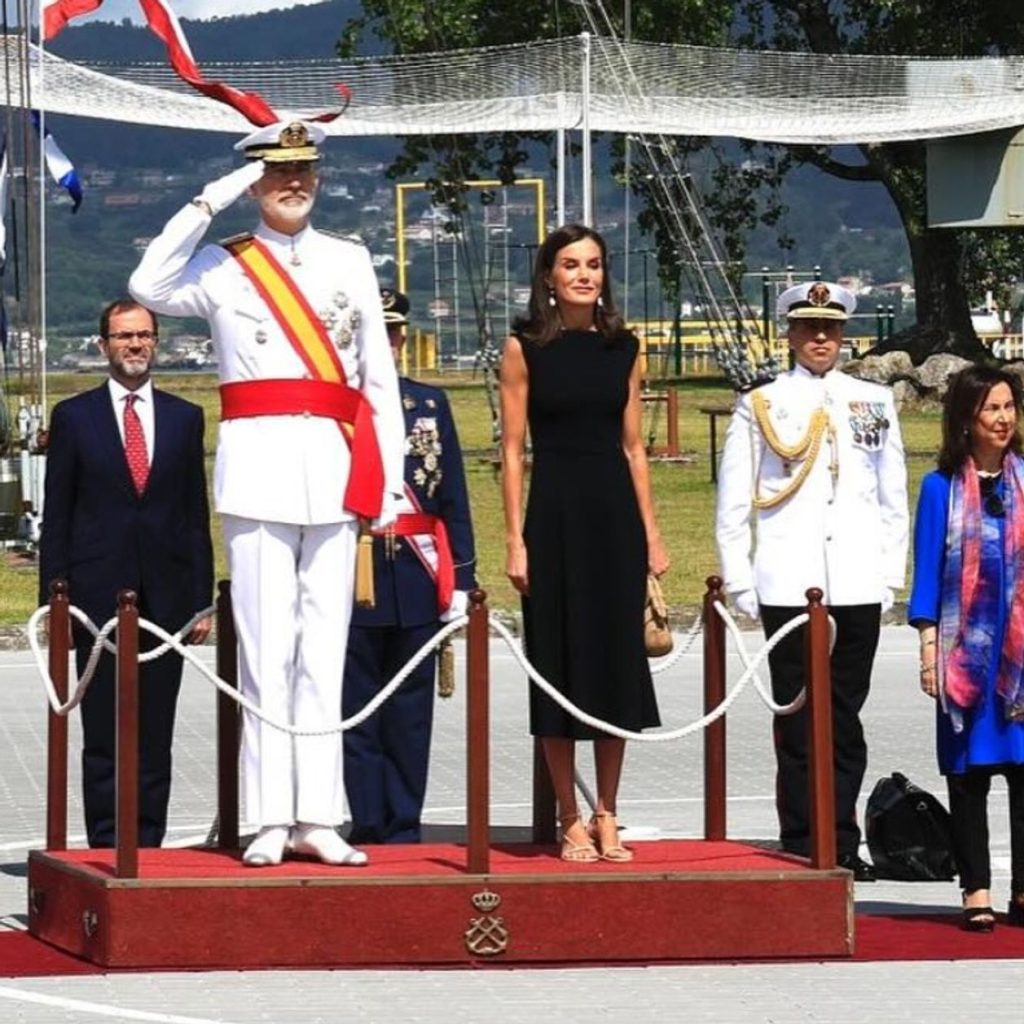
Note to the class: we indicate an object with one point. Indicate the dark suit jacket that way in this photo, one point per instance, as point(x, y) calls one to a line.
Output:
point(102, 537)
point(405, 593)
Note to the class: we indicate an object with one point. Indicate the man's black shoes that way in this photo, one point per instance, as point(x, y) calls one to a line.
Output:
point(862, 870)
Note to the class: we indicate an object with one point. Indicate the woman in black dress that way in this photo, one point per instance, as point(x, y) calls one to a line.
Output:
point(581, 558)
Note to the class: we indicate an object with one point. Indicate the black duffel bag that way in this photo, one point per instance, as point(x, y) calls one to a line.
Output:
point(908, 832)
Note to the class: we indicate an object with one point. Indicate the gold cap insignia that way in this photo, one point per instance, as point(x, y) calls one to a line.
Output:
point(293, 135)
point(818, 294)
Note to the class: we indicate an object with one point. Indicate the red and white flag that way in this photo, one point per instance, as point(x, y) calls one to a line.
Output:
point(57, 13)
point(163, 22)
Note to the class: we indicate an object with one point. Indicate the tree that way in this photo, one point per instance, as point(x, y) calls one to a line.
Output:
point(950, 266)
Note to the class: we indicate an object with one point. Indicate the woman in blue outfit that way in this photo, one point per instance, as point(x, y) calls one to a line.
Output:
point(968, 606)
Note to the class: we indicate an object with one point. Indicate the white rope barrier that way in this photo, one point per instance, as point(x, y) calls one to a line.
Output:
point(174, 642)
point(101, 643)
point(662, 737)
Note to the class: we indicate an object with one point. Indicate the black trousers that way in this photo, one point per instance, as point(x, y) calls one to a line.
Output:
point(857, 629)
point(159, 683)
point(387, 757)
point(968, 808)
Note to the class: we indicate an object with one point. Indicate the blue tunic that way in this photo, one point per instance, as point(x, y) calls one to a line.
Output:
point(987, 737)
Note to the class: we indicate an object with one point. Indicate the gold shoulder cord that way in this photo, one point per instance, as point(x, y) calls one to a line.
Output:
point(807, 448)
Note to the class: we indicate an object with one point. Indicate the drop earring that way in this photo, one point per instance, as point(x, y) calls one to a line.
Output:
point(600, 302)
point(552, 301)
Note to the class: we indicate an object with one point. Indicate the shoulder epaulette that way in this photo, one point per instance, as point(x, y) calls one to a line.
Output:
point(243, 236)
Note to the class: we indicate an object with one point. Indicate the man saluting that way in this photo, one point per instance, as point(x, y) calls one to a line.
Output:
point(311, 440)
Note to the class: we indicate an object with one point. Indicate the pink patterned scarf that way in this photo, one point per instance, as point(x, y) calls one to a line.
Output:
point(968, 616)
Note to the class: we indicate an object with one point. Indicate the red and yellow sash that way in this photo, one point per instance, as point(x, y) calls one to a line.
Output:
point(326, 394)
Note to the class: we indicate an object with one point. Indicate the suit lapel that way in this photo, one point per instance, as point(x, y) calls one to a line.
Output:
point(162, 433)
point(108, 438)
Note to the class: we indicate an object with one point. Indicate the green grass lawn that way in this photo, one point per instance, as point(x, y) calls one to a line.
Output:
point(683, 493)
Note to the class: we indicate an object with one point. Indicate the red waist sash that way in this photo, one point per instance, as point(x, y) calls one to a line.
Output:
point(349, 408)
point(409, 524)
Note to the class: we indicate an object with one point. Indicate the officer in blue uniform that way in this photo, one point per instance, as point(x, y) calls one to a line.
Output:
point(423, 569)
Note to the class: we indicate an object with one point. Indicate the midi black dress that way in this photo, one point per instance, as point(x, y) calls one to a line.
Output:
point(585, 541)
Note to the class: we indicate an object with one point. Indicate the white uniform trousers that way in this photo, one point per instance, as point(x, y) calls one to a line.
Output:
point(292, 593)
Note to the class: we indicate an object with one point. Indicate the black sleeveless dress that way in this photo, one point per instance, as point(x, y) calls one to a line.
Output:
point(585, 541)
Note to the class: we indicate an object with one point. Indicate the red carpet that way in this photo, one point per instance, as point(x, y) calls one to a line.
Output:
point(22, 956)
point(448, 859)
point(932, 937)
point(896, 937)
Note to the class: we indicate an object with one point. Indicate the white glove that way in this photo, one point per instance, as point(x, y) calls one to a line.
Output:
point(388, 511)
point(460, 602)
point(746, 602)
point(220, 194)
point(888, 599)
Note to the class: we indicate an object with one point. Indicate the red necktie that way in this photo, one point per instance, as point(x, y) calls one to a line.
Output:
point(135, 445)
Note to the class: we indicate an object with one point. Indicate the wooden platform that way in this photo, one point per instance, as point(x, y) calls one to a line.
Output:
point(417, 906)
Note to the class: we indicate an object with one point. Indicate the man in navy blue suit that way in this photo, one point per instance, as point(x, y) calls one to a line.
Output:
point(423, 570)
point(126, 508)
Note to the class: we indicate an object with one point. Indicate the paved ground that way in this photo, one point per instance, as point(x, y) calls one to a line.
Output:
point(661, 795)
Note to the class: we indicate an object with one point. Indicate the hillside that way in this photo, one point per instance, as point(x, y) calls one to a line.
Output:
point(137, 176)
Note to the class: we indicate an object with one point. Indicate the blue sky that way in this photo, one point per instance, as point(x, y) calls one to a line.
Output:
point(115, 10)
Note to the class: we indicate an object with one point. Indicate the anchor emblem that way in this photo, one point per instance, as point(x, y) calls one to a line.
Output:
point(486, 935)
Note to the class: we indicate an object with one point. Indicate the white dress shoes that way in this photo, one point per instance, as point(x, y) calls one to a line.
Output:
point(267, 847)
point(322, 842)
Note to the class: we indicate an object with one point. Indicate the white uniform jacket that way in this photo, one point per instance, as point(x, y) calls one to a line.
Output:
point(285, 469)
point(848, 538)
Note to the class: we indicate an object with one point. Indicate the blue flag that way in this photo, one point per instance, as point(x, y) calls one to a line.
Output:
point(60, 167)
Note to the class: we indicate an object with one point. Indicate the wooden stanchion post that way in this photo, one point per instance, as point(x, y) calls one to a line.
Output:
point(478, 755)
point(673, 423)
point(714, 694)
point(227, 723)
point(544, 811)
point(820, 773)
point(127, 725)
point(57, 725)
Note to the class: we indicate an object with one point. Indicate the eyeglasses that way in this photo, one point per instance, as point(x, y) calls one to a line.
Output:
point(991, 498)
point(128, 335)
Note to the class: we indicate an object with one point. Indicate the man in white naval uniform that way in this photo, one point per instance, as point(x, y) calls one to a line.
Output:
point(815, 459)
point(294, 342)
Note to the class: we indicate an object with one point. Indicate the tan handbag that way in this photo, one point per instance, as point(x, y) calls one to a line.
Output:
point(657, 634)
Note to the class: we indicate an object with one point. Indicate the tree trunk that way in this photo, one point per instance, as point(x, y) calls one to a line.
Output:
point(943, 307)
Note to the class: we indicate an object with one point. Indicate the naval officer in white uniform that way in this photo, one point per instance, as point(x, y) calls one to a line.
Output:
point(312, 438)
point(813, 493)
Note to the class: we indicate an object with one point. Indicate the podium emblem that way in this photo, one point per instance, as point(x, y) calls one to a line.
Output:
point(487, 934)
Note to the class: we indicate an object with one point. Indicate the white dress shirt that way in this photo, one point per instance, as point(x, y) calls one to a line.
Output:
point(143, 406)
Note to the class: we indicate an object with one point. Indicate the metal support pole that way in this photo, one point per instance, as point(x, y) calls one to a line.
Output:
point(588, 199)
point(714, 694)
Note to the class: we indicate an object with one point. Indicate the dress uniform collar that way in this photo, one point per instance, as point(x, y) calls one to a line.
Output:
point(799, 370)
point(281, 244)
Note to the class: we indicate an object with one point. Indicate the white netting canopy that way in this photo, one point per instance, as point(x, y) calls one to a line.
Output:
point(631, 87)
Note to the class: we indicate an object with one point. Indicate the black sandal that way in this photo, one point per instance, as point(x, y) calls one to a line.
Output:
point(978, 919)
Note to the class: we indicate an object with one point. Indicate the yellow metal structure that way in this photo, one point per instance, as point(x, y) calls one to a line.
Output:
point(420, 359)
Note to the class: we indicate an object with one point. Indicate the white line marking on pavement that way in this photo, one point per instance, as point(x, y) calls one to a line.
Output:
point(100, 1009)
